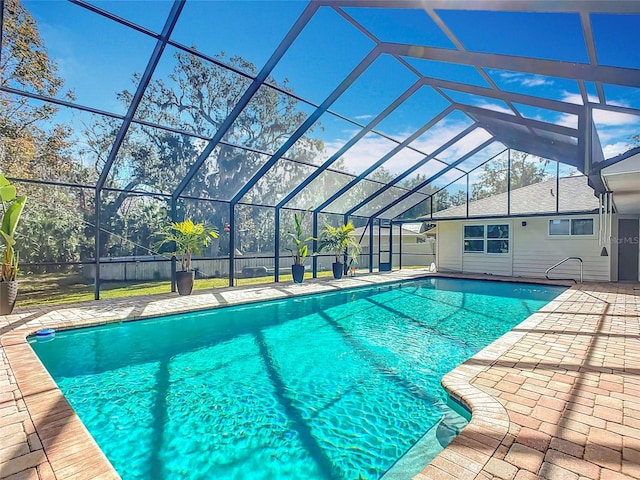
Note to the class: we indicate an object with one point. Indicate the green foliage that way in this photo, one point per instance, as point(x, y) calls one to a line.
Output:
point(195, 97)
point(53, 229)
point(54, 235)
point(340, 240)
point(525, 170)
point(29, 151)
point(25, 60)
point(33, 146)
point(187, 239)
point(301, 249)
point(12, 206)
point(134, 228)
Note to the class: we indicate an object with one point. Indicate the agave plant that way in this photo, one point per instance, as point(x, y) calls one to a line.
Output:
point(189, 238)
point(12, 206)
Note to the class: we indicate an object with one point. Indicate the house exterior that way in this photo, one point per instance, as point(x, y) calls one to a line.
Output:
point(530, 240)
point(411, 245)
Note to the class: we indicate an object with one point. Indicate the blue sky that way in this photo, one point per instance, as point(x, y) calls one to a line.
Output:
point(98, 57)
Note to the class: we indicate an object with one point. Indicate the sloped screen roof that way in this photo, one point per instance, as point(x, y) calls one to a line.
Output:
point(333, 106)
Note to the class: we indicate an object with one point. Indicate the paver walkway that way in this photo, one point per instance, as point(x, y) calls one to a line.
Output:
point(567, 385)
point(556, 398)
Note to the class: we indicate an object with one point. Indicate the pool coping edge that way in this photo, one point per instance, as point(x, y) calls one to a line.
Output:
point(74, 453)
point(490, 420)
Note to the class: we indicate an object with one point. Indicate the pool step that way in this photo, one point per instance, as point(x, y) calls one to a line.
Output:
point(426, 449)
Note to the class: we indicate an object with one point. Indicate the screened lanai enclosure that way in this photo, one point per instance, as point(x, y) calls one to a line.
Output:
point(121, 116)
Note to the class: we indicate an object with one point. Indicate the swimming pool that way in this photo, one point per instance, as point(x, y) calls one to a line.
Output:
point(328, 386)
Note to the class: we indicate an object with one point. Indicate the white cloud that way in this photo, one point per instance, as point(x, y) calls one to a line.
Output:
point(363, 117)
point(535, 81)
point(600, 117)
point(402, 161)
point(372, 148)
point(496, 107)
point(429, 169)
point(526, 80)
point(610, 135)
point(576, 98)
point(609, 118)
point(451, 177)
point(615, 149)
point(464, 145)
point(567, 120)
point(614, 128)
point(363, 154)
point(438, 135)
point(509, 75)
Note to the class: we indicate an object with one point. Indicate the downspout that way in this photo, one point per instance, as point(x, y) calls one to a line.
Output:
point(600, 220)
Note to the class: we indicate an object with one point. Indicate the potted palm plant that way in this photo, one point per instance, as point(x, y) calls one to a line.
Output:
point(12, 206)
point(300, 250)
point(185, 239)
point(340, 240)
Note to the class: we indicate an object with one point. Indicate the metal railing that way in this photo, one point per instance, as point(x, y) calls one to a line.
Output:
point(546, 274)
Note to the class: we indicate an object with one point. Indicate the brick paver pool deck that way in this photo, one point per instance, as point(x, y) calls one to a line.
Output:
point(556, 398)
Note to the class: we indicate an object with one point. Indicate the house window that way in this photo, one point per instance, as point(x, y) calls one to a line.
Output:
point(582, 226)
point(492, 238)
point(497, 238)
point(474, 238)
point(559, 227)
point(572, 227)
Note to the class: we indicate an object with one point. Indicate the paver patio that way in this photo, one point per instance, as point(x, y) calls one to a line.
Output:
point(556, 398)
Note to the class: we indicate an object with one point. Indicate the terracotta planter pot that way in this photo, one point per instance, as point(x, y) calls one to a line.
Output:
point(184, 280)
point(8, 295)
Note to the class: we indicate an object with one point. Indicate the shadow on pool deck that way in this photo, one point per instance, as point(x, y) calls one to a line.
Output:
point(557, 397)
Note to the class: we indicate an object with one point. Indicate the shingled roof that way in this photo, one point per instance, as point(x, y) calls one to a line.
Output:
point(575, 196)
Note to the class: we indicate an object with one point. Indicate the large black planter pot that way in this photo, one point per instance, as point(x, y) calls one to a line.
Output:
point(8, 295)
point(184, 280)
point(298, 273)
point(337, 269)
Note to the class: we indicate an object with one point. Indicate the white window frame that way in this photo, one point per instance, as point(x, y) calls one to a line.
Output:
point(486, 239)
point(570, 234)
point(483, 238)
point(494, 239)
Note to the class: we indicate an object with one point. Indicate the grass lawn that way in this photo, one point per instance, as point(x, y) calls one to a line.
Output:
point(54, 288)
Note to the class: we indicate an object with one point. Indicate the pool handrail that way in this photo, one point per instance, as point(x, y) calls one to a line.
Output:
point(546, 273)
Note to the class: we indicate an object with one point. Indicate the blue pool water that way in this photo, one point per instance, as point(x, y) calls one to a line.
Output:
point(330, 386)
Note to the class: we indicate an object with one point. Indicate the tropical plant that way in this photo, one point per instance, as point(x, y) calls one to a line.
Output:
point(186, 238)
point(12, 206)
point(339, 240)
point(301, 249)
